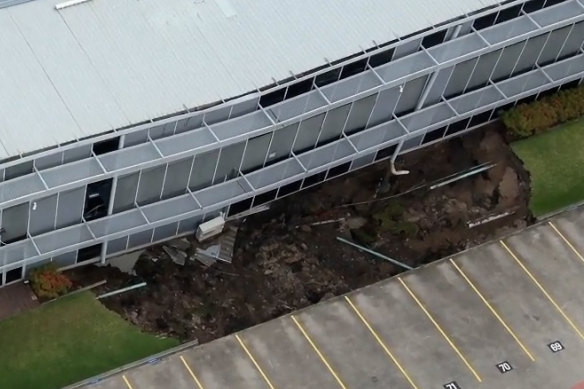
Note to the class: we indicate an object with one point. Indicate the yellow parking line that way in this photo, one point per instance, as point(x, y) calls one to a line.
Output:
point(450, 342)
point(381, 343)
point(542, 289)
point(253, 360)
point(570, 245)
point(322, 358)
point(199, 385)
point(127, 382)
point(493, 311)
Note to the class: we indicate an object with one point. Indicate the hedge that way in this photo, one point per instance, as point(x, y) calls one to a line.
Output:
point(528, 119)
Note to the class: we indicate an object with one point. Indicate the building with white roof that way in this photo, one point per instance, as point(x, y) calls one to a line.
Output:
point(128, 122)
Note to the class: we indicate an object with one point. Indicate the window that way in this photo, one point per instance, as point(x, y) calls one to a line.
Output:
point(97, 199)
point(480, 118)
point(273, 98)
point(381, 58)
point(299, 88)
point(14, 275)
point(458, 126)
point(353, 68)
point(289, 188)
point(433, 135)
point(485, 21)
point(328, 77)
point(508, 14)
point(568, 85)
point(264, 197)
point(533, 5)
point(88, 253)
point(314, 179)
point(434, 39)
point(338, 170)
point(385, 153)
point(106, 146)
point(239, 207)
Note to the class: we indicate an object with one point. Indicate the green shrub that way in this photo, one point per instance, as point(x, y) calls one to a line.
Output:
point(48, 283)
point(528, 119)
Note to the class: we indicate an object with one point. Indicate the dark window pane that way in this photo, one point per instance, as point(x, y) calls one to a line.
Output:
point(14, 275)
point(87, 253)
point(299, 88)
point(508, 14)
point(106, 146)
point(434, 39)
point(240, 207)
point(485, 21)
point(265, 197)
point(353, 68)
point(328, 77)
point(290, 188)
point(272, 98)
point(386, 152)
point(314, 179)
point(533, 5)
point(381, 58)
point(457, 126)
point(479, 119)
point(338, 170)
point(434, 135)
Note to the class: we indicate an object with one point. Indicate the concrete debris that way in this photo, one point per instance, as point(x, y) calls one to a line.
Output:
point(182, 244)
point(356, 222)
point(179, 257)
point(222, 250)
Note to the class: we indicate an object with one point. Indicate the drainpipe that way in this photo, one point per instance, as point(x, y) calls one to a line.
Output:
point(110, 206)
point(434, 75)
point(392, 171)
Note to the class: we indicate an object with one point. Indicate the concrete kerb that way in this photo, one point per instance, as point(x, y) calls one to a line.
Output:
point(187, 345)
point(145, 361)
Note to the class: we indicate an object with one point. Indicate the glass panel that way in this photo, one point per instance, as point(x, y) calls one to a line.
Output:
point(241, 125)
point(188, 141)
point(219, 193)
point(275, 173)
point(566, 68)
point(505, 31)
point(170, 208)
point(470, 101)
point(377, 136)
point(117, 223)
point(297, 106)
point(457, 48)
point(17, 252)
point(428, 117)
point(19, 187)
point(324, 155)
point(76, 171)
point(125, 158)
point(404, 67)
point(557, 13)
point(62, 238)
point(351, 86)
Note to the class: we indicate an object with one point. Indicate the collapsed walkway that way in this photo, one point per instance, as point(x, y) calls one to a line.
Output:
point(508, 314)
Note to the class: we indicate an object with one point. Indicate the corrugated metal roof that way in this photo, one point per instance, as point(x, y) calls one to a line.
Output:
point(107, 64)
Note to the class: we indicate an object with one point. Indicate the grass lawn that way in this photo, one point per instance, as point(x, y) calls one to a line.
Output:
point(555, 161)
point(67, 341)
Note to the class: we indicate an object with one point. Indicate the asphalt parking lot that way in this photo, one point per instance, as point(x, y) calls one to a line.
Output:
point(508, 314)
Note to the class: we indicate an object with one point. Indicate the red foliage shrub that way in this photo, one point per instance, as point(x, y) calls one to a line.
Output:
point(48, 283)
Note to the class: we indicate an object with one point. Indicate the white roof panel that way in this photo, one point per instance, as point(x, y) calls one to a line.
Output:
point(107, 64)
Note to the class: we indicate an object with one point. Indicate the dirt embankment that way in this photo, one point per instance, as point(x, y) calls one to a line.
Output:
point(283, 262)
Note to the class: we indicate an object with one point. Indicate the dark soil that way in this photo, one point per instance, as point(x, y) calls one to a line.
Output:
point(283, 262)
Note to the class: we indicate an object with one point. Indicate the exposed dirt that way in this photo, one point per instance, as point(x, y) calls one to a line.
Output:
point(282, 262)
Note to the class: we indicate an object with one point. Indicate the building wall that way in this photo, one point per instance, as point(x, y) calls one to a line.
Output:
point(87, 202)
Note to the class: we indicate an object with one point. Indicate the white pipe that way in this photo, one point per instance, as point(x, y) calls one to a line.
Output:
point(393, 158)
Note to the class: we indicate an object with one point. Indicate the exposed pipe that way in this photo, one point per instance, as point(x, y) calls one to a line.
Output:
point(375, 253)
point(392, 162)
point(122, 290)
